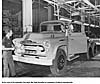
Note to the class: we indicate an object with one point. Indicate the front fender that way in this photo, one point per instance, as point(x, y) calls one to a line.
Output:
point(53, 50)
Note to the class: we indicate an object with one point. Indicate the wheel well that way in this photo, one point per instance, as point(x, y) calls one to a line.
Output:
point(63, 47)
point(90, 52)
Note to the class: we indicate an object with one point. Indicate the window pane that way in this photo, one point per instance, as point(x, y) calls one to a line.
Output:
point(43, 28)
point(76, 27)
point(57, 27)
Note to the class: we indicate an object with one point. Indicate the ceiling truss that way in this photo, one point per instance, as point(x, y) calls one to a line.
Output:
point(74, 6)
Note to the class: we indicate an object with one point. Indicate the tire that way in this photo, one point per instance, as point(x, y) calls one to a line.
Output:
point(90, 53)
point(59, 63)
point(94, 51)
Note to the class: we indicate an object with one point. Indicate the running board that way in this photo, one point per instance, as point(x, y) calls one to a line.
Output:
point(73, 57)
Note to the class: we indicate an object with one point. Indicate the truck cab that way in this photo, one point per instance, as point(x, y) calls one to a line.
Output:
point(56, 43)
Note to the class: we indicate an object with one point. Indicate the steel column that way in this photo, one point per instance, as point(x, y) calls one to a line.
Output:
point(27, 15)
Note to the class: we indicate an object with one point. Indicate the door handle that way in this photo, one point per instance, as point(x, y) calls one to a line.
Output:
point(62, 40)
point(72, 39)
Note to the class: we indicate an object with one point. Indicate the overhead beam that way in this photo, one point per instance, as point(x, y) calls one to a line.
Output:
point(97, 14)
point(90, 4)
point(73, 1)
point(89, 9)
point(97, 5)
point(83, 8)
point(91, 12)
point(50, 2)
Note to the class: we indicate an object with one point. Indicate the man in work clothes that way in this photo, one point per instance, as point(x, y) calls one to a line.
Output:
point(8, 63)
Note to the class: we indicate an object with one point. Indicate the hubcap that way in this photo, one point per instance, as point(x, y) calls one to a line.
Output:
point(61, 62)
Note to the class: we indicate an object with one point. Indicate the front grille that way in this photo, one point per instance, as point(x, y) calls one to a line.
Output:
point(34, 47)
point(30, 52)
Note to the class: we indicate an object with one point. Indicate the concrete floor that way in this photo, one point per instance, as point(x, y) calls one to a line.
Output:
point(76, 69)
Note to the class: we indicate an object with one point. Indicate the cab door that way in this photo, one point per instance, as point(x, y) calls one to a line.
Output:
point(77, 41)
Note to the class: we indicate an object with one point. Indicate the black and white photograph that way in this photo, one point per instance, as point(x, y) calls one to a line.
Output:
point(50, 39)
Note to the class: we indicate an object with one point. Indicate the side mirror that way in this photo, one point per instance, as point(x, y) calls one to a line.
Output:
point(66, 32)
point(66, 27)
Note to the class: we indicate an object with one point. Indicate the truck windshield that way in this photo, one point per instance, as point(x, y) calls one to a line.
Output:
point(52, 27)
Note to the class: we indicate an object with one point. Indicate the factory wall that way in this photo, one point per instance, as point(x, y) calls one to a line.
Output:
point(38, 16)
point(41, 12)
point(12, 17)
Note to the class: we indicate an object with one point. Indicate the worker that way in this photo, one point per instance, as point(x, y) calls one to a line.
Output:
point(71, 28)
point(62, 28)
point(8, 63)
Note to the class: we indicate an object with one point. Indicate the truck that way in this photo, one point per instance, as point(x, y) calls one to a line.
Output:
point(56, 43)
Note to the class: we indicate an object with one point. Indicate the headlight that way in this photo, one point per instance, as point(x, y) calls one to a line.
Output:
point(19, 49)
point(46, 44)
point(22, 47)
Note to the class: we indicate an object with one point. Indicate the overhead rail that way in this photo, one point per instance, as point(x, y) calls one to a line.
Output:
point(75, 7)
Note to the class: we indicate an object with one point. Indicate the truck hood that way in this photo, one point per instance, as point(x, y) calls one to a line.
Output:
point(34, 37)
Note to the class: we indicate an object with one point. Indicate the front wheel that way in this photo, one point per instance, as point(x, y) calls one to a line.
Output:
point(59, 63)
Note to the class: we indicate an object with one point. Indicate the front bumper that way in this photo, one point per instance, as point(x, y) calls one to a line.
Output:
point(33, 60)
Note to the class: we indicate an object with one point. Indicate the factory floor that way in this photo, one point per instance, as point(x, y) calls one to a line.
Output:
point(76, 69)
